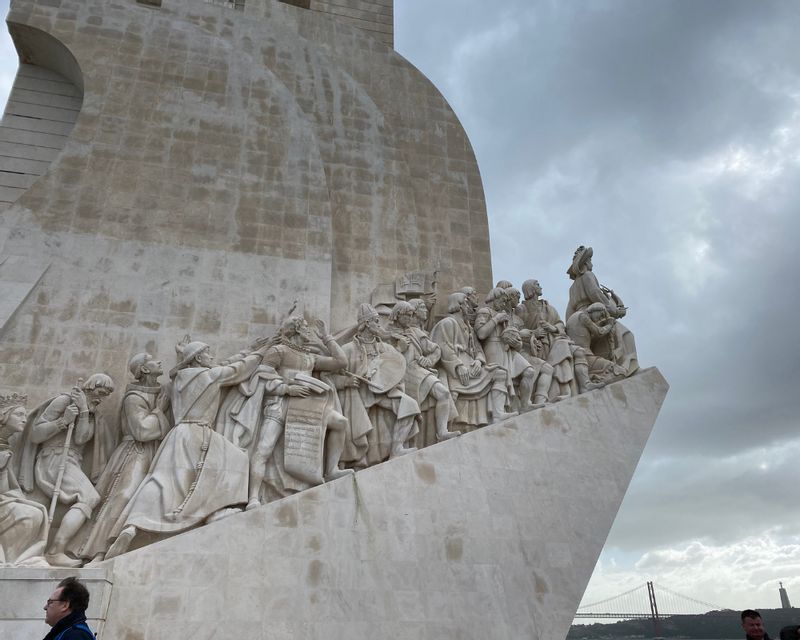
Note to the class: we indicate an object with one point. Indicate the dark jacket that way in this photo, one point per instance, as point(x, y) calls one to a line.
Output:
point(67, 627)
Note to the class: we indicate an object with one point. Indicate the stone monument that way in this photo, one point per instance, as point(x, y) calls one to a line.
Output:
point(395, 448)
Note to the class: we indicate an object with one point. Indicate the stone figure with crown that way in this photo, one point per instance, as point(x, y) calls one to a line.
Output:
point(23, 522)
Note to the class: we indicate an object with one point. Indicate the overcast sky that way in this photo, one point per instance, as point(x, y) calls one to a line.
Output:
point(667, 136)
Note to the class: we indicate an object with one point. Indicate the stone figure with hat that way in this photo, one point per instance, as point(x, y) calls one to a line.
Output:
point(381, 416)
point(421, 380)
point(478, 388)
point(144, 422)
point(197, 474)
point(23, 522)
point(52, 458)
point(585, 290)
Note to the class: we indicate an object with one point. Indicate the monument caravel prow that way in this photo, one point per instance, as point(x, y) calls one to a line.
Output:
point(199, 167)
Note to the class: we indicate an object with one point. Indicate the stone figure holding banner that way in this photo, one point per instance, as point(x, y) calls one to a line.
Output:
point(52, 458)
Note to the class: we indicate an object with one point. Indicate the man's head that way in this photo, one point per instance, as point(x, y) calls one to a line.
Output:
point(97, 387)
point(70, 596)
point(512, 298)
point(420, 310)
point(497, 298)
point(597, 312)
point(402, 314)
point(294, 327)
point(531, 289)
point(752, 625)
point(143, 364)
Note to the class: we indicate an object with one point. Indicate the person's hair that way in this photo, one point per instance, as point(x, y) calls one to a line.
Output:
point(792, 632)
point(454, 301)
point(401, 307)
point(750, 613)
point(98, 380)
point(74, 592)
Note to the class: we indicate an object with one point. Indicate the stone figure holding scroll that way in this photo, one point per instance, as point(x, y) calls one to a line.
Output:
point(143, 422)
point(23, 522)
point(421, 380)
point(479, 389)
point(197, 473)
point(382, 417)
point(585, 290)
point(52, 457)
point(301, 436)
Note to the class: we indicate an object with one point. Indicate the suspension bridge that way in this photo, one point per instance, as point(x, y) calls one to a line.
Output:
point(641, 602)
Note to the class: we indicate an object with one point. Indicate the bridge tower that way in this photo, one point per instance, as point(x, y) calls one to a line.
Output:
point(651, 594)
point(784, 597)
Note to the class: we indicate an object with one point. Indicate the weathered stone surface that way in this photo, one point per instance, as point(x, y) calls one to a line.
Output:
point(223, 164)
point(490, 535)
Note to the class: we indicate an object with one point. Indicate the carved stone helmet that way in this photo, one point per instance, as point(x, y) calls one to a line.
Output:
point(365, 313)
point(187, 351)
point(578, 266)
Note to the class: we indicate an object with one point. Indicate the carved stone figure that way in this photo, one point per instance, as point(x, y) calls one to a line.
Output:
point(473, 303)
point(479, 389)
point(421, 381)
point(23, 522)
point(144, 423)
point(501, 344)
point(52, 457)
point(382, 417)
point(585, 290)
point(197, 473)
point(546, 338)
point(585, 328)
point(302, 433)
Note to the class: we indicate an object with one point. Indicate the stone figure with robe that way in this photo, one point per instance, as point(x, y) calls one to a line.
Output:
point(56, 466)
point(197, 473)
point(144, 422)
point(421, 380)
point(290, 421)
point(23, 522)
point(501, 344)
point(618, 346)
point(381, 416)
point(479, 389)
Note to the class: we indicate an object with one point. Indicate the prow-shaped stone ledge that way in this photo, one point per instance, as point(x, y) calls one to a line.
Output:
point(490, 535)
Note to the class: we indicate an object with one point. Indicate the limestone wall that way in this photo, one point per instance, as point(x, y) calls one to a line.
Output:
point(223, 164)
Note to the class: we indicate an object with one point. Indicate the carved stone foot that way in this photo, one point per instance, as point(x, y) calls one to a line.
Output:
point(401, 452)
point(219, 514)
point(98, 558)
point(63, 560)
point(338, 473)
point(498, 416)
point(447, 435)
point(252, 504)
point(122, 542)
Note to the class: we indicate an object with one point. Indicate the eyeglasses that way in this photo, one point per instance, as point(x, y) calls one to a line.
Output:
point(49, 601)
